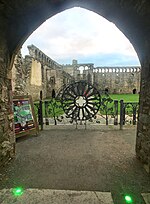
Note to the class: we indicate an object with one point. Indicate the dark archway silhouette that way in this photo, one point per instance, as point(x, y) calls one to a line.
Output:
point(134, 91)
point(53, 93)
point(106, 90)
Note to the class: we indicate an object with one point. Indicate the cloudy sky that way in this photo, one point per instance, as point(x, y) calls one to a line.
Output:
point(83, 35)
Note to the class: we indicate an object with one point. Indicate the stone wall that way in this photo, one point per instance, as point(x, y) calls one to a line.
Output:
point(118, 79)
point(18, 73)
point(114, 79)
point(7, 134)
point(37, 72)
point(143, 127)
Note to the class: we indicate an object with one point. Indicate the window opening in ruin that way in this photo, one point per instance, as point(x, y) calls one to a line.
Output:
point(52, 80)
point(81, 69)
point(89, 78)
point(134, 91)
point(106, 90)
point(42, 70)
point(53, 93)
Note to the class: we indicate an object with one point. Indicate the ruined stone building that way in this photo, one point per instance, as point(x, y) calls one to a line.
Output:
point(118, 79)
point(112, 79)
point(38, 72)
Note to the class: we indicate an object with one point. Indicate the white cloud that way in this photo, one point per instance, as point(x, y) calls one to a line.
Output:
point(79, 32)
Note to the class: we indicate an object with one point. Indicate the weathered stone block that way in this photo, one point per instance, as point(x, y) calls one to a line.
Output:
point(144, 118)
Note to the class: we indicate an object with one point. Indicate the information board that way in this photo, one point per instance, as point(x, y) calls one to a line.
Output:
point(24, 116)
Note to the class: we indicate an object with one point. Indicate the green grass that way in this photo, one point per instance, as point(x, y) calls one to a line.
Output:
point(125, 97)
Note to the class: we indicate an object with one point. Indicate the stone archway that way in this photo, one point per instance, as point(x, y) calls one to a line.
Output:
point(18, 19)
point(134, 91)
point(107, 90)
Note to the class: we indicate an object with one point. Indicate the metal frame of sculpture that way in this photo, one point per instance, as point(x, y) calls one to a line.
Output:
point(81, 101)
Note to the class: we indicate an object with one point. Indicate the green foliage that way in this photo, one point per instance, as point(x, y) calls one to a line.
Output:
point(53, 108)
point(107, 106)
point(36, 106)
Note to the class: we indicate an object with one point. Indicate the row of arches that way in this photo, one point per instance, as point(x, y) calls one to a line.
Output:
point(117, 70)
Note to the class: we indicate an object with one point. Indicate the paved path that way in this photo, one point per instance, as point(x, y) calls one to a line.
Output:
point(48, 196)
point(96, 159)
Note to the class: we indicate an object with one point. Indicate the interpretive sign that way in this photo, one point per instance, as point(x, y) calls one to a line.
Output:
point(24, 116)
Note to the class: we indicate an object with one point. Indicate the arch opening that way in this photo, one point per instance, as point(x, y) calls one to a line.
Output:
point(129, 31)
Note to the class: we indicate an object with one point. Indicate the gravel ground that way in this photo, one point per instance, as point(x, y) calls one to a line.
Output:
point(96, 159)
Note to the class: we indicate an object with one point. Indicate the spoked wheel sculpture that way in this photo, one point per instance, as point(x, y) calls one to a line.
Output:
point(81, 101)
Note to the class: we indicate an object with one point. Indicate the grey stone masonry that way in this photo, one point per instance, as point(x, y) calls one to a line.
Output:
point(7, 136)
point(51, 74)
point(123, 79)
point(143, 132)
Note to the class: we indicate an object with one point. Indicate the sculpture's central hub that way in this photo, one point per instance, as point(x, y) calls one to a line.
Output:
point(80, 101)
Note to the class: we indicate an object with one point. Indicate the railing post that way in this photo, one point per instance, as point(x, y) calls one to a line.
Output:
point(134, 114)
point(121, 114)
point(124, 114)
point(41, 110)
point(115, 112)
point(46, 113)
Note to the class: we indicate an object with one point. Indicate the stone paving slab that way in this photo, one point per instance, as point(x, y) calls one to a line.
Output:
point(99, 159)
point(47, 196)
point(146, 197)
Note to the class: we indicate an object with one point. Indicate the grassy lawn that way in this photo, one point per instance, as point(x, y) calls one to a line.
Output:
point(125, 97)
point(110, 105)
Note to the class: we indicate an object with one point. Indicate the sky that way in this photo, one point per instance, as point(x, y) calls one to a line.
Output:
point(83, 35)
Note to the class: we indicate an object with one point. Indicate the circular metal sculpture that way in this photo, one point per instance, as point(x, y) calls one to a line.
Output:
point(81, 101)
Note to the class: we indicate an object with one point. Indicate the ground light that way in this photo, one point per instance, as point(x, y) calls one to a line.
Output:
point(18, 191)
point(128, 199)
